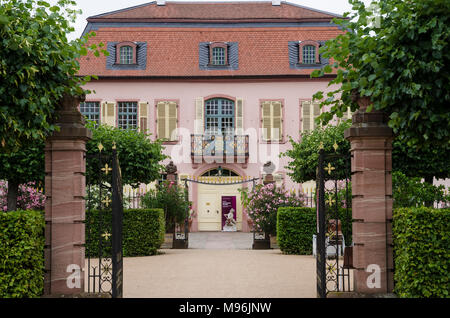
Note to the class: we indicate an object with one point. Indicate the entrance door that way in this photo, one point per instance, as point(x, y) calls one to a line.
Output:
point(209, 213)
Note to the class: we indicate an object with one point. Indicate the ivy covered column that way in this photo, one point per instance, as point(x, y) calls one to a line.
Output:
point(65, 167)
point(371, 147)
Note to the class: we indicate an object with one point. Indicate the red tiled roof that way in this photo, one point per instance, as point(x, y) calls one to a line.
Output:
point(215, 12)
point(174, 51)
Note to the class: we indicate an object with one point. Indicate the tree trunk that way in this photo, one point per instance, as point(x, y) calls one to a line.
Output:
point(13, 189)
point(429, 180)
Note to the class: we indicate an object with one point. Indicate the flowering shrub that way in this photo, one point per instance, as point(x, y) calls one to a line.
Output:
point(29, 198)
point(262, 204)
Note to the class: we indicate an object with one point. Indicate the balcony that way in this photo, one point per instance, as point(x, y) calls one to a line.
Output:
point(216, 148)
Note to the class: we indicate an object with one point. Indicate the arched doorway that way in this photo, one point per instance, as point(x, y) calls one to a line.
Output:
point(215, 200)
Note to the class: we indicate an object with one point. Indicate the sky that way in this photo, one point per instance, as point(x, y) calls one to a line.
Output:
point(95, 7)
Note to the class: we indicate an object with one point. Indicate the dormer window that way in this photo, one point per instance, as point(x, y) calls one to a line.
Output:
point(309, 52)
point(126, 53)
point(218, 54)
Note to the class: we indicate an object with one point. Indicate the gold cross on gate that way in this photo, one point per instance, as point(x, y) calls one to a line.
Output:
point(100, 147)
point(107, 201)
point(106, 269)
point(330, 201)
point(106, 169)
point(106, 235)
point(329, 168)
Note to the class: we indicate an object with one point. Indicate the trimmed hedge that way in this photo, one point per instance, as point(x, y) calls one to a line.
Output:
point(142, 233)
point(421, 252)
point(295, 229)
point(21, 254)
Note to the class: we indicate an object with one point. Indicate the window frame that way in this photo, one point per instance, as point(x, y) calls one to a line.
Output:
point(119, 113)
point(301, 45)
point(133, 46)
point(220, 115)
point(215, 45)
point(88, 114)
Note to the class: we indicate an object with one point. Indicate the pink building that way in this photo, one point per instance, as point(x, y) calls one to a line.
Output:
point(224, 84)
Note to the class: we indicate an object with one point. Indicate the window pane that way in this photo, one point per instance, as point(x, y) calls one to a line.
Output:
point(126, 55)
point(218, 56)
point(309, 54)
point(91, 110)
point(127, 116)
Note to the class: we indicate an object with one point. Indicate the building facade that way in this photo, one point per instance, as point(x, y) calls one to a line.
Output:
point(225, 85)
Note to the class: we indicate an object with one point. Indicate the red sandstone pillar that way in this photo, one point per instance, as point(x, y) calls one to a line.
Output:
point(65, 206)
point(371, 147)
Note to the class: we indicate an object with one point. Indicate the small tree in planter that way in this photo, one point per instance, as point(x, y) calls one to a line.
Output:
point(170, 197)
point(262, 204)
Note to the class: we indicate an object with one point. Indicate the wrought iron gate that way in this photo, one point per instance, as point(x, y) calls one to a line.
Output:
point(334, 224)
point(104, 215)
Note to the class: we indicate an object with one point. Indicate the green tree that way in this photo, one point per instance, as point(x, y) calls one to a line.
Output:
point(305, 153)
point(422, 163)
point(397, 54)
point(37, 65)
point(139, 157)
point(170, 197)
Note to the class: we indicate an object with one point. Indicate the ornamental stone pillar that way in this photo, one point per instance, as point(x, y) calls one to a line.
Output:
point(371, 147)
point(65, 168)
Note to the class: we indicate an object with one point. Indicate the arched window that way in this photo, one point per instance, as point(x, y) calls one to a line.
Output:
point(218, 54)
point(126, 55)
point(220, 172)
point(309, 54)
point(219, 116)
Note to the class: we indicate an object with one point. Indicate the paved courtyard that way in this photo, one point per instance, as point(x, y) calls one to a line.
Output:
point(220, 265)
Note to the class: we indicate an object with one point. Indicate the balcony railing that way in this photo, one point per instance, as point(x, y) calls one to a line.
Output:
point(219, 146)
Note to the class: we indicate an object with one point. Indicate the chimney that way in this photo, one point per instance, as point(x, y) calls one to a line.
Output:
point(276, 2)
point(161, 2)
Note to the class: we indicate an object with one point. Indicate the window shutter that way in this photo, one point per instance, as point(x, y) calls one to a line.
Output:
point(266, 121)
point(239, 116)
point(316, 113)
point(143, 116)
point(103, 113)
point(277, 121)
point(161, 120)
point(199, 116)
point(306, 116)
point(110, 118)
point(172, 120)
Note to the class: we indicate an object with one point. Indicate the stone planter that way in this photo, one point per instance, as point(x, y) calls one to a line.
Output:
point(168, 240)
point(274, 242)
point(261, 243)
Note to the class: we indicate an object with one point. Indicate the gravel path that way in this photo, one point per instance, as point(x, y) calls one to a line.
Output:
point(211, 273)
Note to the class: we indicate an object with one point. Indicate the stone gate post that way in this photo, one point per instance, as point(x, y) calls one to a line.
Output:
point(371, 147)
point(65, 168)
